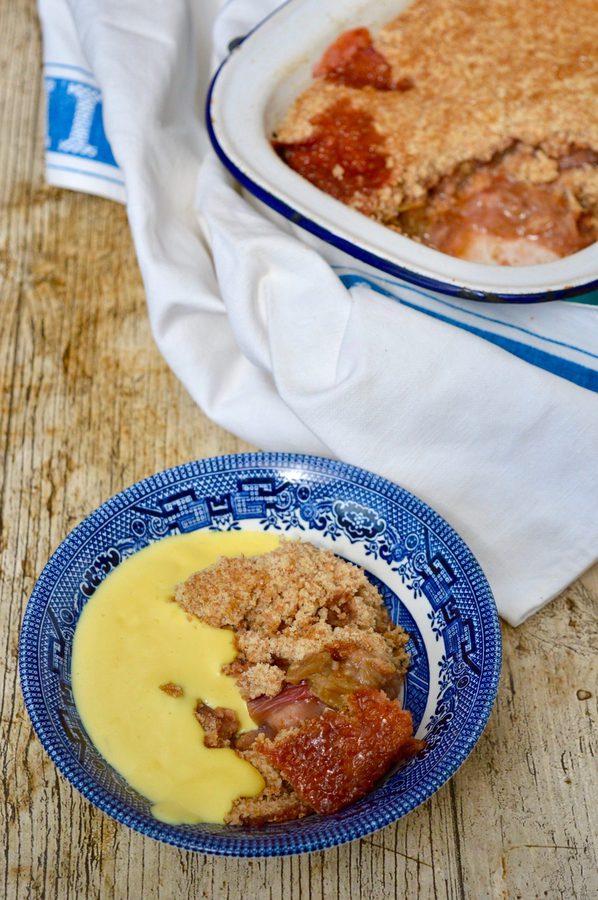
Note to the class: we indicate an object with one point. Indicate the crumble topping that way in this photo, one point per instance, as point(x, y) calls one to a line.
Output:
point(466, 83)
point(320, 664)
point(173, 690)
point(287, 604)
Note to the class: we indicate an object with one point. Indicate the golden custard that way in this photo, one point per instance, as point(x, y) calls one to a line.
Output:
point(132, 639)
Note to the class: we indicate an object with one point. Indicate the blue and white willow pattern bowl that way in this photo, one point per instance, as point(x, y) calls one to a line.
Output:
point(430, 581)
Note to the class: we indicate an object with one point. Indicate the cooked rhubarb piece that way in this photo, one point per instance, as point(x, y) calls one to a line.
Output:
point(335, 759)
point(492, 217)
point(344, 155)
point(247, 739)
point(292, 706)
point(353, 61)
point(343, 668)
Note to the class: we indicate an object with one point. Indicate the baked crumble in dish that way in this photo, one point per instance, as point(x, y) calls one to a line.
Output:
point(320, 665)
point(467, 126)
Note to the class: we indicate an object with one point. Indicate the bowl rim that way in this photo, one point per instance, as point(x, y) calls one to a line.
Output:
point(225, 843)
point(307, 218)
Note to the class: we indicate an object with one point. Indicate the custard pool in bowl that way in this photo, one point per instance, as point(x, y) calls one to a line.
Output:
point(430, 583)
point(139, 666)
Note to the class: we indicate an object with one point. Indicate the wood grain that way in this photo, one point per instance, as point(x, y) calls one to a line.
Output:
point(89, 406)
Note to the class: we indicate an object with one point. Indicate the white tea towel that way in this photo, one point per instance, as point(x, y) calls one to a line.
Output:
point(489, 414)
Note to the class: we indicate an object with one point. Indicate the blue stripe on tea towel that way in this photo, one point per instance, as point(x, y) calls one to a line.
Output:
point(86, 174)
point(546, 358)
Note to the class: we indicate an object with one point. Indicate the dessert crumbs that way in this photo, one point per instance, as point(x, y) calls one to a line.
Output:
point(173, 690)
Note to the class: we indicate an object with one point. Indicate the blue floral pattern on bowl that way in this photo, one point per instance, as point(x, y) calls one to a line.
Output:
point(429, 579)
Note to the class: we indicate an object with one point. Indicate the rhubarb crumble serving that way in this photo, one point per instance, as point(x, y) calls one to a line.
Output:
point(320, 664)
point(469, 126)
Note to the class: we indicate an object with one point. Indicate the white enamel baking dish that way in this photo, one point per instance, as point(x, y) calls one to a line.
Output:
point(247, 99)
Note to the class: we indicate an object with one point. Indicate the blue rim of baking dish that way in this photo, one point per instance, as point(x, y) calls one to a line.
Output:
point(347, 246)
point(224, 842)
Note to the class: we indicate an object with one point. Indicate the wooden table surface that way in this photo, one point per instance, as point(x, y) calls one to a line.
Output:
point(89, 406)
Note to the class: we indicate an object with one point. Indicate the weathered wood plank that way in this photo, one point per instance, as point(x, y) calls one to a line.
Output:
point(88, 406)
